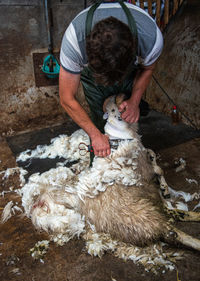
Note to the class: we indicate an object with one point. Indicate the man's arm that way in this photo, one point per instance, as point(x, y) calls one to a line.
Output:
point(68, 87)
point(130, 107)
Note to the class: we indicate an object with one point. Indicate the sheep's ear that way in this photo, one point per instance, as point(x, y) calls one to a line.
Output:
point(120, 98)
point(105, 116)
point(106, 102)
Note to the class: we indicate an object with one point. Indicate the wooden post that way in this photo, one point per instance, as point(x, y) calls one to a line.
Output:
point(175, 6)
point(166, 13)
point(142, 4)
point(150, 2)
point(158, 12)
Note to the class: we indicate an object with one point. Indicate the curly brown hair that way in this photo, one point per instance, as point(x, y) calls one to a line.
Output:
point(110, 48)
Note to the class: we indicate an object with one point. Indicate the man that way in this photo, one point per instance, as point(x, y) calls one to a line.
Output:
point(111, 47)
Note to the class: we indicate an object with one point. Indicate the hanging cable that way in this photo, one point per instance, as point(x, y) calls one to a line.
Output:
point(171, 100)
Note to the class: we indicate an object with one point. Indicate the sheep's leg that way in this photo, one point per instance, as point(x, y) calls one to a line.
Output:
point(181, 215)
point(164, 187)
point(159, 174)
point(185, 239)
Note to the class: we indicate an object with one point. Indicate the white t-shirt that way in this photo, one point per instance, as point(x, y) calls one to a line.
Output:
point(73, 56)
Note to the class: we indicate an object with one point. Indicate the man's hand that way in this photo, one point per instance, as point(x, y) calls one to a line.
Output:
point(100, 144)
point(130, 112)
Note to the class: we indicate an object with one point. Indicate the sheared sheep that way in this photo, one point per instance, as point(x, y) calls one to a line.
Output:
point(124, 194)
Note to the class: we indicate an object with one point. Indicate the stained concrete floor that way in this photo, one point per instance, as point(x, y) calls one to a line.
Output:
point(71, 262)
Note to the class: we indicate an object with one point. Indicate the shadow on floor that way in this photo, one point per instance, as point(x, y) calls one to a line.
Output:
point(158, 132)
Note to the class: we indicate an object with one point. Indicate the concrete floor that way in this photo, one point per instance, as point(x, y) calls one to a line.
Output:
point(71, 262)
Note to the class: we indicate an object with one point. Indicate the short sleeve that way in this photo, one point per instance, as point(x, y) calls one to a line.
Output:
point(156, 50)
point(70, 54)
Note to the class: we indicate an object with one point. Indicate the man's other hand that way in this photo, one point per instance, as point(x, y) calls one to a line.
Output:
point(100, 144)
point(129, 111)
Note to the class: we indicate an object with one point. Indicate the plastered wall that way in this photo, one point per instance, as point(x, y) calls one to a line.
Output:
point(22, 33)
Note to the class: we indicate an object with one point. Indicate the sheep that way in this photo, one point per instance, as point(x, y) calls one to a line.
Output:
point(123, 195)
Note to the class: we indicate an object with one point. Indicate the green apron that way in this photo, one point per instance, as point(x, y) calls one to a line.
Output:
point(96, 94)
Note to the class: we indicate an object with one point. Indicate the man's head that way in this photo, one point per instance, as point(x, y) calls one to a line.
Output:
point(110, 49)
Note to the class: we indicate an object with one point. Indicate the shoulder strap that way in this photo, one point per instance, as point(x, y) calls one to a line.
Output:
point(131, 20)
point(90, 13)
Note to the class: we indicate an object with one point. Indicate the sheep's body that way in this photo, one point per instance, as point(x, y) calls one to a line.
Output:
point(129, 214)
point(133, 212)
point(117, 195)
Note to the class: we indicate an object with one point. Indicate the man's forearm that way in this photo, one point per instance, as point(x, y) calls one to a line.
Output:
point(68, 87)
point(80, 117)
point(141, 83)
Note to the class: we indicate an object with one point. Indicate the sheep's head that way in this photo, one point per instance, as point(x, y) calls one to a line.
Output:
point(115, 126)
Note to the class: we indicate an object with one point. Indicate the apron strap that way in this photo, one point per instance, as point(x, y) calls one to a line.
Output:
point(89, 18)
point(130, 18)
